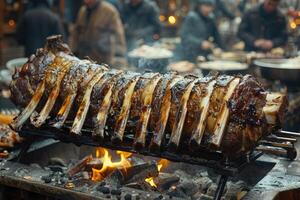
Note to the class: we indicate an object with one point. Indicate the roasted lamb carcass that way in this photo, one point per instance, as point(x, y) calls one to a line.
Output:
point(169, 112)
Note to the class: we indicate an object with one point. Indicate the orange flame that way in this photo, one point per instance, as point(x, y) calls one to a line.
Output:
point(162, 164)
point(108, 165)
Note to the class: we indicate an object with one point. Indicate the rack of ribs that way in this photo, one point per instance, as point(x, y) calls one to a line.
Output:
point(162, 111)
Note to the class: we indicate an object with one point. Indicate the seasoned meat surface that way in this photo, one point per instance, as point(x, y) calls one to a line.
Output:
point(159, 111)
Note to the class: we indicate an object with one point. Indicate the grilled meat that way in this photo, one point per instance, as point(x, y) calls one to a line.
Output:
point(170, 112)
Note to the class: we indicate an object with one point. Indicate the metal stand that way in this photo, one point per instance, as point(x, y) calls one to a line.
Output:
point(24, 149)
point(28, 146)
point(221, 186)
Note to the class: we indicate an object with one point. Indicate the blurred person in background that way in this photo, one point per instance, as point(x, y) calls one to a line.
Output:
point(36, 25)
point(288, 6)
point(99, 34)
point(222, 10)
point(199, 34)
point(263, 27)
point(116, 3)
point(247, 4)
point(141, 22)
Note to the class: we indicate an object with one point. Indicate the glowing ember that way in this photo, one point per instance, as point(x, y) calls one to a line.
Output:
point(108, 165)
point(163, 163)
point(151, 181)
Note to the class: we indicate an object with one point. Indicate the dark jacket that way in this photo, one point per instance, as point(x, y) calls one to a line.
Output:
point(222, 10)
point(37, 24)
point(194, 30)
point(141, 22)
point(257, 24)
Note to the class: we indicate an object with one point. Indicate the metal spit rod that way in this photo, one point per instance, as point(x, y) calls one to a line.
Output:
point(289, 133)
point(282, 139)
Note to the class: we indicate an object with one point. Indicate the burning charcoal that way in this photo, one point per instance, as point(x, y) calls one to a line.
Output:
point(57, 161)
point(116, 192)
point(204, 174)
point(69, 185)
point(85, 188)
point(95, 163)
point(183, 175)
point(102, 183)
point(139, 173)
point(189, 188)
point(103, 189)
point(127, 197)
point(57, 168)
point(64, 180)
point(241, 194)
point(204, 197)
point(21, 172)
point(132, 174)
point(136, 160)
point(203, 183)
point(142, 185)
point(234, 189)
point(165, 180)
point(85, 175)
point(213, 188)
point(35, 165)
point(80, 165)
point(177, 192)
point(46, 179)
point(115, 179)
point(159, 197)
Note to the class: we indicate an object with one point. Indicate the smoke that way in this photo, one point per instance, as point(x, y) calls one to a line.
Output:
point(154, 65)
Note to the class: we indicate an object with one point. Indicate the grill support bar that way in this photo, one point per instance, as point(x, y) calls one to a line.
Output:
point(224, 169)
point(222, 180)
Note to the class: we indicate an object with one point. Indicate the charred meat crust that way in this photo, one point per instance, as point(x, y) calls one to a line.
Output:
point(126, 103)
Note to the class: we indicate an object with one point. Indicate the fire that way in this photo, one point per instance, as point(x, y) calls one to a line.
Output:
point(163, 163)
point(293, 25)
point(108, 165)
point(172, 19)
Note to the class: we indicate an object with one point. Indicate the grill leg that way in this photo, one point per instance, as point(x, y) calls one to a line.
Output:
point(25, 146)
point(221, 186)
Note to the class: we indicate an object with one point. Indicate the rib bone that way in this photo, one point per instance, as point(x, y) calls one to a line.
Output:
point(24, 115)
point(164, 115)
point(147, 97)
point(64, 111)
point(121, 121)
point(104, 108)
point(180, 117)
point(204, 106)
point(71, 83)
point(85, 104)
point(38, 120)
point(224, 114)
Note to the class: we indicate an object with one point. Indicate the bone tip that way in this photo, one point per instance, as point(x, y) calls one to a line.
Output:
point(138, 145)
point(172, 146)
point(36, 122)
point(14, 126)
point(154, 146)
point(194, 144)
point(56, 124)
point(75, 132)
point(116, 139)
point(99, 134)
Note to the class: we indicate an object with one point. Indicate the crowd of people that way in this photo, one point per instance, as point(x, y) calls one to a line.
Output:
point(106, 30)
